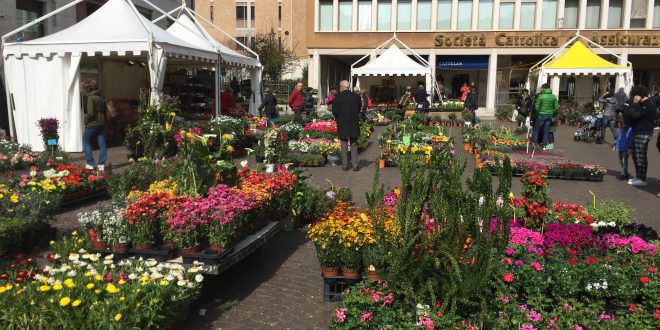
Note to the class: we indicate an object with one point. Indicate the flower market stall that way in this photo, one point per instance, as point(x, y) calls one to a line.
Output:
point(413, 136)
point(575, 58)
point(435, 254)
point(393, 62)
point(117, 31)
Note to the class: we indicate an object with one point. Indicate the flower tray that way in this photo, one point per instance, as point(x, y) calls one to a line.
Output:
point(117, 255)
point(207, 257)
point(560, 177)
point(159, 253)
point(83, 196)
point(333, 286)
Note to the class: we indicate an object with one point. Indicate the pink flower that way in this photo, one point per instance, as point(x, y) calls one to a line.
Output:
point(522, 307)
point(340, 314)
point(577, 327)
point(519, 262)
point(510, 251)
point(508, 277)
point(426, 322)
point(366, 316)
point(527, 327)
point(534, 316)
point(389, 299)
point(536, 265)
point(504, 298)
point(604, 316)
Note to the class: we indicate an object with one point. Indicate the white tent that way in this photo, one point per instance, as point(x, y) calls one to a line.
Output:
point(187, 27)
point(394, 62)
point(575, 58)
point(43, 78)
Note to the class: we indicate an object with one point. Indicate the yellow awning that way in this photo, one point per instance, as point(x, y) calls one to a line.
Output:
point(579, 56)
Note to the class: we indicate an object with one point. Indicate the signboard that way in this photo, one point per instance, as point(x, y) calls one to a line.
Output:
point(461, 62)
point(549, 39)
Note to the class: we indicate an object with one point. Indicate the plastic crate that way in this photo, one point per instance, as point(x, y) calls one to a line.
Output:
point(333, 286)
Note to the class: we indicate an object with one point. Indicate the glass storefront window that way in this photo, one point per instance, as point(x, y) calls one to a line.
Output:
point(656, 14)
point(593, 14)
point(614, 16)
point(485, 15)
point(506, 15)
point(527, 15)
point(444, 15)
point(384, 15)
point(571, 9)
point(423, 15)
point(364, 15)
point(404, 13)
point(345, 15)
point(464, 15)
point(325, 16)
point(549, 17)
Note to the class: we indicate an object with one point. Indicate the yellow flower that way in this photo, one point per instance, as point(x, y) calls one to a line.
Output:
point(98, 277)
point(121, 282)
point(117, 317)
point(65, 301)
point(168, 127)
point(75, 303)
point(69, 283)
point(2, 289)
point(74, 233)
point(57, 287)
point(52, 243)
point(90, 286)
point(230, 148)
point(122, 299)
point(97, 291)
point(14, 199)
point(111, 288)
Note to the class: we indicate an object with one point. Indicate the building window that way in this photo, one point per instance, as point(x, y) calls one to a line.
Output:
point(26, 12)
point(527, 15)
point(656, 14)
point(211, 10)
point(325, 15)
point(485, 14)
point(464, 15)
point(638, 13)
point(242, 15)
point(404, 13)
point(506, 15)
point(571, 10)
point(364, 15)
point(279, 15)
point(423, 15)
point(593, 14)
point(345, 15)
point(549, 17)
point(615, 13)
point(444, 15)
point(384, 15)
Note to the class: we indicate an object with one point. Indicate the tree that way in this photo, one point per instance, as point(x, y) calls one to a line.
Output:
point(275, 58)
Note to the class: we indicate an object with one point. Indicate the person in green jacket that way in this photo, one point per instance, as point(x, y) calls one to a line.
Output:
point(94, 125)
point(546, 105)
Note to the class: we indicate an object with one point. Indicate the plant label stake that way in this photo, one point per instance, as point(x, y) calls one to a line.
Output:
point(594, 199)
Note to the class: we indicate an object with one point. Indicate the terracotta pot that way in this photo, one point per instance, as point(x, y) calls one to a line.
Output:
point(350, 272)
point(120, 247)
point(381, 163)
point(192, 250)
point(217, 248)
point(99, 245)
point(170, 245)
point(466, 146)
point(373, 276)
point(143, 246)
point(330, 271)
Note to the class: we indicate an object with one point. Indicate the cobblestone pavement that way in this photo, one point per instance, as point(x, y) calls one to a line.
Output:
point(279, 286)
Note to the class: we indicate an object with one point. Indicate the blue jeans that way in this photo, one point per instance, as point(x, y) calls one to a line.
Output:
point(623, 159)
point(542, 121)
point(608, 122)
point(88, 135)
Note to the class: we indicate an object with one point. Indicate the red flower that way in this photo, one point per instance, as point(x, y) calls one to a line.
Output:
point(507, 260)
point(91, 178)
point(657, 314)
point(592, 260)
point(571, 252)
point(632, 307)
point(572, 261)
point(508, 277)
point(644, 279)
point(651, 269)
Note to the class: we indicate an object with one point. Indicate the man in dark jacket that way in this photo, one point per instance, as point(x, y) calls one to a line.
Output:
point(546, 106)
point(94, 125)
point(643, 113)
point(296, 103)
point(620, 97)
point(470, 104)
point(270, 104)
point(421, 98)
point(524, 104)
point(346, 109)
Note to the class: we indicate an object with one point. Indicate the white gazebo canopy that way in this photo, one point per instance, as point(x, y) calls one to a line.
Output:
point(43, 76)
point(394, 62)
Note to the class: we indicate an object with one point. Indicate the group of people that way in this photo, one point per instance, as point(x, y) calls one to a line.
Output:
point(638, 113)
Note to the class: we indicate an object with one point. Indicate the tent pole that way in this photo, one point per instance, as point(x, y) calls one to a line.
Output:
point(38, 20)
point(166, 14)
point(217, 87)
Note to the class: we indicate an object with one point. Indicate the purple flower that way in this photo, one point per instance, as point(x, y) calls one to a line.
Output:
point(510, 251)
point(519, 263)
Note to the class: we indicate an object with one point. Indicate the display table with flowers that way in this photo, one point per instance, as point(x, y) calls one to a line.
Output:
point(411, 138)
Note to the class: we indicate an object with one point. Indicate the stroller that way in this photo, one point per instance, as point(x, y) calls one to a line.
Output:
point(590, 127)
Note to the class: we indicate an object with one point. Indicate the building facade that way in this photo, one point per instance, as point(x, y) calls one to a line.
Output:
point(244, 19)
point(493, 43)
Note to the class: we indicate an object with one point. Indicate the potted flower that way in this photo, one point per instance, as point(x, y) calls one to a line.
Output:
point(93, 222)
point(115, 229)
point(272, 150)
point(146, 218)
point(332, 153)
point(184, 226)
point(49, 132)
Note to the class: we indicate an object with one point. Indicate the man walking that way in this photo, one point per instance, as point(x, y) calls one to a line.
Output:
point(94, 125)
point(296, 103)
point(346, 109)
point(270, 104)
point(546, 106)
point(471, 104)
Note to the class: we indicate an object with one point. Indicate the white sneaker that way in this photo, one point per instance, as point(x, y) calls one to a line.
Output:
point(89, 167)
point(638, 183)
point(630, 181)
point(101, 168)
